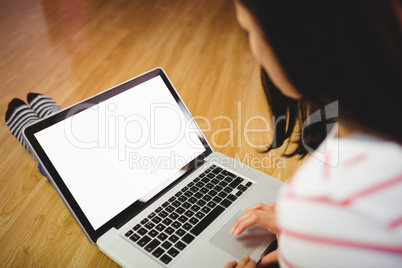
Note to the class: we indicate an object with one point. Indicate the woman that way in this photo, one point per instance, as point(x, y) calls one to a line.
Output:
point(342, 208)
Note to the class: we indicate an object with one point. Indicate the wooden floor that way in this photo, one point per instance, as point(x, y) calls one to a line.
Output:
point(72, 49)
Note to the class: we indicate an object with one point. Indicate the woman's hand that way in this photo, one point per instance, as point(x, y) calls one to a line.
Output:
point(261, 214)
point(245, 262)
point(264, 216)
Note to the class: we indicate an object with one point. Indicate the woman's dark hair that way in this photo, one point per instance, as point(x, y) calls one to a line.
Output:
point(347, 51)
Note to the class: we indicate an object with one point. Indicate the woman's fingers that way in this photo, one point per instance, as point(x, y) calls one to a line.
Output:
point(264, 218)
point(271, 257)
point(261, 206)
point(245, 262)
point(231, 264)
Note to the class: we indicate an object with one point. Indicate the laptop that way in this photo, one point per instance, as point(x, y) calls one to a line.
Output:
point(140, 179)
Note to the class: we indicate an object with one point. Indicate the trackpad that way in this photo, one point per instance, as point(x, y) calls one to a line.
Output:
point(246, 243)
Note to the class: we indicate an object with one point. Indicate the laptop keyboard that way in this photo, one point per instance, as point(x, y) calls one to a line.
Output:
point(168, 230)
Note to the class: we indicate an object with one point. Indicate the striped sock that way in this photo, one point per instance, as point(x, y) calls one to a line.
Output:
point(42, 104)
point(18, 116)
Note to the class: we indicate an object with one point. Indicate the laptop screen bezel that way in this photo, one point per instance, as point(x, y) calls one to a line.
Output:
point(140, 204)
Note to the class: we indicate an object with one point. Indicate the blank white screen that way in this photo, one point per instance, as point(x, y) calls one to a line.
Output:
point(119, 150)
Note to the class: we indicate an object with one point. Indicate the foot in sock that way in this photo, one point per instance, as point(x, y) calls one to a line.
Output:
point(18, 116)
point(42, 104)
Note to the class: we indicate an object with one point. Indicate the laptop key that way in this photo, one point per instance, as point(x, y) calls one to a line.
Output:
point(217, 170)
point(176, 224)
point(170, 209)
point(180, 210)
point(226, 203)
point(180, 232)
point(153, 233)
point(223, 183)
point(158, 252)
point(187, 226)
point(195, 208)
point(207, 220)
point(159, 209)
point(162, 236)
point(223, 194)
point(228, 179)
point(176, 203)
point(236, 182)
point(194, 189)
point(180, 245)
point(220, 176)
point(130, 232)
point(207, 197)
point(232, 197)
point(143, 241)
point(188, 194)
point(206, 210)
point(217, 199)
point(166, 259)
point(182, 198)
point(183, 219)
point(201, 203)
point(215, 181)
point(204, 190)
point(163, 214)
point(142, 231)
point(151, 246)
point(212, 193)
point(210, 175)
point(227, 173)
point(186, 205)
point(193, 220)
point(174, 216)
point(135, 237)
point(169, 230)
point(166, 245)
point(200, 184)
point(189, 213)
point(188, 238)
point(205, 180)
point(173, 238)
point(198, 195)
point(156, 219)
point(173, 252)
point(199, 215)
point(211, 204)
point(228, 189)
point(160, 227)
point(167, 221)
point(192, 200)
point(149, 225)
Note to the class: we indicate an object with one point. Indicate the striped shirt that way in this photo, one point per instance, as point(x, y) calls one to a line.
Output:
point(343, 207)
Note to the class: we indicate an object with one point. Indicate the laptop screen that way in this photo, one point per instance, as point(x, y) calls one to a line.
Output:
point(123, 149)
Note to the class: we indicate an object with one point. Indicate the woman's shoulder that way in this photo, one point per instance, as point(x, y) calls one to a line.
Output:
point(350, 164)
point(359, 171)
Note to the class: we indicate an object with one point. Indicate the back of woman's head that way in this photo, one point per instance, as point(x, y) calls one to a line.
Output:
point(347, 51)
